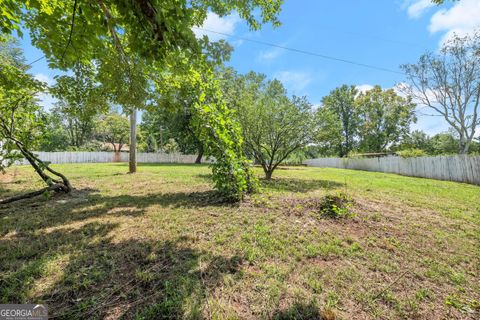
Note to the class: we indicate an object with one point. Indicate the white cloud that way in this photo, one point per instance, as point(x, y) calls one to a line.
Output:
point(461, 19)
point(417, 8)
point(464, 15)
point(216, 23)
point(296, 81)
point(269, 55)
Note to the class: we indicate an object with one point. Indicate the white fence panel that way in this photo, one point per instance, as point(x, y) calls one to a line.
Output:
point(458, 168)
point(106, 157)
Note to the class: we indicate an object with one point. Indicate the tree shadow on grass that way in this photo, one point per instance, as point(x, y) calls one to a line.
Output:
point(303, 311)
point(80, 273)
point(299, 185)
point(291, 184)
point(83, 204)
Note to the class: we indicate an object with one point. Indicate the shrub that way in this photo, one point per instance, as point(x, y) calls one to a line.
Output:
point(411, 153)
point(336, 206)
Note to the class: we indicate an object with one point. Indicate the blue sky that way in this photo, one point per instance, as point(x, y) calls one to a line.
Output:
point(382, 33)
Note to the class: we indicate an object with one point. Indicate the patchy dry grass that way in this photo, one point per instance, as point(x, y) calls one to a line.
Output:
point(159, 245)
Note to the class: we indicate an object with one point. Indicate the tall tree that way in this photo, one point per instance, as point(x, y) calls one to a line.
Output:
point(327, 132)
point(449, 84)
point(20, 119)
point(341, 104)
point(171, 115)
point(171, 121)
point(81, 100)
point(129, 86)
point(444, 143)
point(54, 137)
point(385, 118)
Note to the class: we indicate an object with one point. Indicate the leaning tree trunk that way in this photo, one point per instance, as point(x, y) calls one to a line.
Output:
point(54, 180)
point(132, 164)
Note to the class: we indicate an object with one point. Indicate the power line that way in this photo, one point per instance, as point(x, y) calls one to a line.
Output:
point(288, 49)
point(304, 52)
point(35, 60)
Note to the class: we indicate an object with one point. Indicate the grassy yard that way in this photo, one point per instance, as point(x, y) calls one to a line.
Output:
point(158, 245)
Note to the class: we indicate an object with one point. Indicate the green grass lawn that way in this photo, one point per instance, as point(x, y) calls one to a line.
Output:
point(159, 245)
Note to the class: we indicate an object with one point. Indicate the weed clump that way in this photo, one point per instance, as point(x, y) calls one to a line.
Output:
point(336, 206)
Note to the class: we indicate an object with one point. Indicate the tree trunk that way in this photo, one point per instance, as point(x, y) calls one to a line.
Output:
point(117, 157)
point(29, 195)
point(268, 174)
point(132, 165)
point(464, 145)
point(200, 155)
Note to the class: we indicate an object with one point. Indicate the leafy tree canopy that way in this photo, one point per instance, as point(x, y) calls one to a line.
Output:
point(385, 118)
point(146, 41)
point(80, 100)
point(20, 119)
point(345, 120)
point(273, 125)
point(113, 129)
point(154, 30)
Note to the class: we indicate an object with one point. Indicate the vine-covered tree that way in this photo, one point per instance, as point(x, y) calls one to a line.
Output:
point(20, 119)
point(449, 84)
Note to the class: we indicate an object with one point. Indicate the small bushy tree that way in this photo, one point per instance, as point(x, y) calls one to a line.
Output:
point(273, 125)
point(114, 129)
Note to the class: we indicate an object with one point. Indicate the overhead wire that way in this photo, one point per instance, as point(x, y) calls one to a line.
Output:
point(306, 52)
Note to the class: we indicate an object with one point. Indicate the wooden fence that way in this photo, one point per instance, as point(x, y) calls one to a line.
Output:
point(451, 168)
point(103, 157)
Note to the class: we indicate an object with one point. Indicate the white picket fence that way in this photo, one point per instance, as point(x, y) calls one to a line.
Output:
point(105, 157)
point(451, 168)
